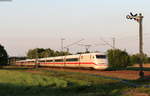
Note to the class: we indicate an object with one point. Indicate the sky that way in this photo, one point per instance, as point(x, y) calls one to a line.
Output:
point(28, 24)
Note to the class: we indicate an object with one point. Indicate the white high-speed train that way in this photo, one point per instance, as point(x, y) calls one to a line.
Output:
point(88, 60)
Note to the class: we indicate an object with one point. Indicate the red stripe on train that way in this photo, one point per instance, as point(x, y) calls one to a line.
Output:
point(70, 63)
point(77, 63)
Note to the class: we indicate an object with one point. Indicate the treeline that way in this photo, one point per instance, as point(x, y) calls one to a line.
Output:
point(116, 57)
point(135, 59)
point(41, 53)
point(120, 58)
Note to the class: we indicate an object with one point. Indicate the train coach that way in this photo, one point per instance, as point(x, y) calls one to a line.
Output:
point(27, 62)
point(89, 60)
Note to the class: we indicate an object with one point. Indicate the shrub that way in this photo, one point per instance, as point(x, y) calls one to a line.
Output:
point(3, 56)
point(118, 58)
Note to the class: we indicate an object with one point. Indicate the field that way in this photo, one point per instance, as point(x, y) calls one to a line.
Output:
point(40, 82)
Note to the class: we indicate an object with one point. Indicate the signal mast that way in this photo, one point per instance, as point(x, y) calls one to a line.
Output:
point(139, 19)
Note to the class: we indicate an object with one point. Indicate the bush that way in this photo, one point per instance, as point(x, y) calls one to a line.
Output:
point(3, 56)
point(136, 59)
point(118, 58)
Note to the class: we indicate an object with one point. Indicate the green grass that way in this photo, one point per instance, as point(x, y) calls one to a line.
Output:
point(19, 83)
point(128, 68)
point(54, 83)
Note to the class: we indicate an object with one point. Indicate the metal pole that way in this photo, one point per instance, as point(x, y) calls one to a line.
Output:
point(139, 19)
point(141, 45)
point(113, 43)
point(62, 47)
point(36, 60)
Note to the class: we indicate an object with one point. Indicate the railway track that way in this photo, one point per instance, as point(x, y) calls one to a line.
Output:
point(122, 74)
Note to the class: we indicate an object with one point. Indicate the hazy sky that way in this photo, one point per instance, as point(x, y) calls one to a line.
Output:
point(27, 24)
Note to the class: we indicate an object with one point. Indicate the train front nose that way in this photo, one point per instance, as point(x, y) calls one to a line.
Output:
point(101, 67)
point(101, 64)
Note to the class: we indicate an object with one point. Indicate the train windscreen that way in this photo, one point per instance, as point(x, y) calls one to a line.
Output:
point(101, 56)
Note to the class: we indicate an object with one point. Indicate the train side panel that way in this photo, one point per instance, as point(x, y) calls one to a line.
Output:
point(59, 61)
point(45, 62)
point(86, 60)
point(89, 60)
point(72, 61)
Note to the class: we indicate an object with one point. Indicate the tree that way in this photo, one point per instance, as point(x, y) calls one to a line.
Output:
point(148, 60)
point(41, 52)
point(3, 56)
point(118, 58)
point(35, 53)
point(135, 58)
point(48, 53)
point(62, 53)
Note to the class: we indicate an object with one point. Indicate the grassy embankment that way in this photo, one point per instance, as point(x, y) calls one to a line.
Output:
point(31, 82)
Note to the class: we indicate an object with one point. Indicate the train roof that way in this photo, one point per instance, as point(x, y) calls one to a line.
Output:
point(88, 54)
point(27, 60)
point(73, 55)
point(60, 57)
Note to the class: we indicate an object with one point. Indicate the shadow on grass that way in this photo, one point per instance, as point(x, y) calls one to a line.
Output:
point(15, 68)
point(143, 80)
point(128, 68)
point(109, 89)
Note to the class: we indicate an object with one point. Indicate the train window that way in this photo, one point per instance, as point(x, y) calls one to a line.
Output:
point(59, 60)
point(30, 61)
point(49, 60)
point(100, 56)
point(72, 59)
point(42, 61)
